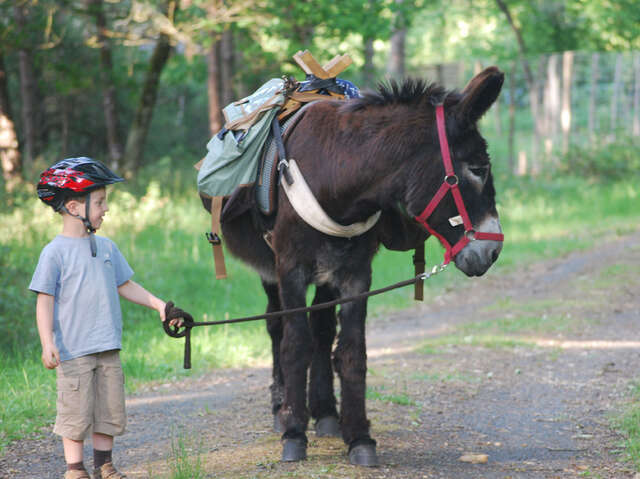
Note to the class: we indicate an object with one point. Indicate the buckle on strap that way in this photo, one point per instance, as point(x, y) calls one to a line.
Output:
point(213, 238)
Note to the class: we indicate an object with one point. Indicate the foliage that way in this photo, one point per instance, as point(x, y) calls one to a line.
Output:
point(62, 37)
point(159, 229)
point(606, 161)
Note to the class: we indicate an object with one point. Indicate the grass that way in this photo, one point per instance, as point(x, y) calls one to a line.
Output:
point(628, 424)
point(184, 464)
point(379, 394)
point(160, 232)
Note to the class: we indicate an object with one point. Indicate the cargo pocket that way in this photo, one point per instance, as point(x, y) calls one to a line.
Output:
point(71, 419)
point(68, 394)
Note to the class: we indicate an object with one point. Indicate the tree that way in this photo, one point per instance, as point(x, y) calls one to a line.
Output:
point(109, 100)
point(396, 61)
point(140, 127)
point(9, 152)
point(28, 87)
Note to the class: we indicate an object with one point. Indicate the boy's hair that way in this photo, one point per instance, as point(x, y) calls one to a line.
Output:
point(73, 178)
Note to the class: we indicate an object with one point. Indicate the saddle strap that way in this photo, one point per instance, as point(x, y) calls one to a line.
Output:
point(308, 208)
point(214, 238)
point(418, 264)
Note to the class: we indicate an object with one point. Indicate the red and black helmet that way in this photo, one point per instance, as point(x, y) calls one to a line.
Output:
point(73, 177)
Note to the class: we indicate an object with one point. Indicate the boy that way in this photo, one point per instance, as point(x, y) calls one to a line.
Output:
point(78, 279)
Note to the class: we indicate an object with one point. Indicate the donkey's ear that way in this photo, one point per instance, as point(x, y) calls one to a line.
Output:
point(479, 95)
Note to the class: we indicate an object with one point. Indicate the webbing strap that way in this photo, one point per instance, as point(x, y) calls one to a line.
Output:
point(419, 264)
point(450, 183)
point(214, 238)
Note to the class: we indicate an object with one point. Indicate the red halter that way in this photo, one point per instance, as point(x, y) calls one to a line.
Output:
point(451, 183)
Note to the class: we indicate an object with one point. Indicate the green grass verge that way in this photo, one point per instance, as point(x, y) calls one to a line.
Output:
point(628, 424)
point(160, 232)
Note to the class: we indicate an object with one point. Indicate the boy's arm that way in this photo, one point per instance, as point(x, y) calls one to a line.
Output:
point(132, 291)
point(44, 319)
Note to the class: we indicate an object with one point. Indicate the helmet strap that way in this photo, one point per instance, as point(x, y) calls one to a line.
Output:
point(87, 223)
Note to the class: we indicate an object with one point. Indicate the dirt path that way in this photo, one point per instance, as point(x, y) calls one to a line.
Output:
point(526, 368)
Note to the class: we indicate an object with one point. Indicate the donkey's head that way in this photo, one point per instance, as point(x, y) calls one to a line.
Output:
point(430, 197)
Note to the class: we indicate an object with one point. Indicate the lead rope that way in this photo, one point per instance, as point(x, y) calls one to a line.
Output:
point(189, 323)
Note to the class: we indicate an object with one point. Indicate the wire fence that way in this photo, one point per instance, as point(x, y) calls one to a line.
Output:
point(576, 99)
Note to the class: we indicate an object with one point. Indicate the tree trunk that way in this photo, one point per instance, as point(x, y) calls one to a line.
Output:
point(64, 134)
point(617, 80)
point(396, 63)
point(108, 84)
point(512, 118)
point(522, 50)
point(567, 79)
point(27, 93)
point(551, 104)
point(636, 96)
point(531, 84)
point(213, 85)
point(227, 67)
point(142, 120)
point(593, 94)
point(9, 152)
point(368, 69)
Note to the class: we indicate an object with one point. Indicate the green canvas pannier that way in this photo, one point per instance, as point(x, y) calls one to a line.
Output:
point(233, 154)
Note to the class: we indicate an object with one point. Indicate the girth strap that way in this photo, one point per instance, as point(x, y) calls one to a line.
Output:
point(214, 238)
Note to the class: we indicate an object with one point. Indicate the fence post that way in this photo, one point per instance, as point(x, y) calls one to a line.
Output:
point(617, 80)
point(565, 118)
point(593, 94)
point(636, 95)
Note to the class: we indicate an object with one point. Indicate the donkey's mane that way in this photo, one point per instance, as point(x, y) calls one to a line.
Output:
point(409, 92)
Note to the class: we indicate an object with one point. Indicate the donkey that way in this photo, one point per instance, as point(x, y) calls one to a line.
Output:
point(377, 153)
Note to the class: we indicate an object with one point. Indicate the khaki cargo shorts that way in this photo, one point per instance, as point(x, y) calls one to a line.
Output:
point(90, 395)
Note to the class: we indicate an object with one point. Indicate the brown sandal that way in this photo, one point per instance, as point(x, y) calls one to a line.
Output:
point(107, 471)
point(77, 474)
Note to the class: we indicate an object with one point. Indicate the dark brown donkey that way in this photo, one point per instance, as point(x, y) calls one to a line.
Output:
point(377, 153)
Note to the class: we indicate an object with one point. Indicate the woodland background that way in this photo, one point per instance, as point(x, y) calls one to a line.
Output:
point(141, 82)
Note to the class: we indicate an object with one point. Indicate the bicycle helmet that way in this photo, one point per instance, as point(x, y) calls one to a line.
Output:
point(75, 177)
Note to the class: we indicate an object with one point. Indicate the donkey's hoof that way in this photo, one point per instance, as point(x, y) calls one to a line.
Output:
point(294, 450)
point(328, 426)
point(364, 455)
point(277, 425)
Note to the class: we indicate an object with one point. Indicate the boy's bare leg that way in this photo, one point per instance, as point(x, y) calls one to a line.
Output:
point(72, 450)
point(73, 453)
point(102, 442)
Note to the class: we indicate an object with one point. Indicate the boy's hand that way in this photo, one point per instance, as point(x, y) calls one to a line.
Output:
point(175, 315)
point(50, 356)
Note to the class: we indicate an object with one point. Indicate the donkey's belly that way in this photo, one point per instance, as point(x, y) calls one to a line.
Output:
point(244, 241)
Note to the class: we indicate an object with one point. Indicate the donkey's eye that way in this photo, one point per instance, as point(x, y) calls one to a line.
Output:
point(480, 171)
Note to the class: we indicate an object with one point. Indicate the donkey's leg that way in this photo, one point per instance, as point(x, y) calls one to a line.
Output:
point(322, 400)
point(295, 357)
point(274, 328)
point(350, 360)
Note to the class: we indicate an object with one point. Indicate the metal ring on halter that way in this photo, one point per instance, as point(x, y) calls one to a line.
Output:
point(470, 234)
point(448, 177)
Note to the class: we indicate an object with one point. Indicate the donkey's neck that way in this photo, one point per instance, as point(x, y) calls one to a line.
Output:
point(374, 159)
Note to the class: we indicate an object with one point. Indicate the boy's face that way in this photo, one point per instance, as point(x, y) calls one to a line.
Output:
point(97, 208)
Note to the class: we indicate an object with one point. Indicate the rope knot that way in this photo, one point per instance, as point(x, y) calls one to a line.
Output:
point(172, 312)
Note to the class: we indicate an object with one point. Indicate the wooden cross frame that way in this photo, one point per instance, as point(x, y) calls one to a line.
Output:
point(310, 66)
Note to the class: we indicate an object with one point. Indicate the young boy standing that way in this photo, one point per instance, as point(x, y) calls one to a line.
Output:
point(79, 279)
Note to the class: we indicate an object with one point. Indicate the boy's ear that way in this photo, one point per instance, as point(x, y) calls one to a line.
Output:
point(73, 206)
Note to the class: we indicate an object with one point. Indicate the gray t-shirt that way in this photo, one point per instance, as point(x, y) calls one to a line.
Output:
point(86, 317)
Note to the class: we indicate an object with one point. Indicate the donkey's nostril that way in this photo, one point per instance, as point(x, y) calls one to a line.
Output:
point(494, 255)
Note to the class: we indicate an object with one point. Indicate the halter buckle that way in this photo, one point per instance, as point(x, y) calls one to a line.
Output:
point(470, 235)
